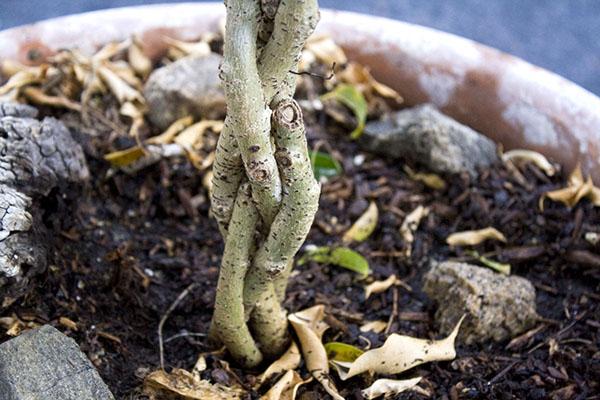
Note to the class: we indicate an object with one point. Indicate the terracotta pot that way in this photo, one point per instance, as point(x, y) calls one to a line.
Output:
point(507, 99)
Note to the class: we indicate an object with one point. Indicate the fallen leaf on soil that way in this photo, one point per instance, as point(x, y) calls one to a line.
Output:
point(177, 140)
point(374, 326)
point(309, 327)
point(364, 225)
point(141, 64)
point(389, 387)
point(400, 353)
point(342, 352)
point(431, 180)
point(495, 265)
point(158, 385)
point(290, 360)
point(68, 323)
point(136, 113)
point(169, 134)
point(577, 188)
point(135, 158)
point(285, 388)
point(15, 326)
point(410, 225)
point(119, 88)
point(179, 49)
point(380, 286)
point(472, 238)
point(352, 98)
point(38, 97)
point(359, 75)
point(122, 158)
point(200, 365)
point(191, 137)
point(324, 165)
point(326, 50)
point(27, 76)
point(532, 156)
point(340, 256)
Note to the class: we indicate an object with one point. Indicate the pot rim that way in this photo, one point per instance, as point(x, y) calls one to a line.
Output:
point(507, 99)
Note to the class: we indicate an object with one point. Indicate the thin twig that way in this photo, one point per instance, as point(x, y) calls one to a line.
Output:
point(502, 373)
point(394, 310)
point(184, 334)
point(164, 318)
point(325, 78)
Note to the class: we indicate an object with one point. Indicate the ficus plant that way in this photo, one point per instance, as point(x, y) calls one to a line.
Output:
point(264, 194)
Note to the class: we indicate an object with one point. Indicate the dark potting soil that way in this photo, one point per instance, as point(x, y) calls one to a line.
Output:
point(125, 246)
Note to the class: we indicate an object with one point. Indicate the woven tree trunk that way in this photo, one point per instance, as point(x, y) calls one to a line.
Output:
point(264, 194)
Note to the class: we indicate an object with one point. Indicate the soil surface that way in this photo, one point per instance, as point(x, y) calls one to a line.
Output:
point(125, 246)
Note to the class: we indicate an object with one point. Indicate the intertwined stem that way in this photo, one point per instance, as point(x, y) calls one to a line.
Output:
point(263, 142)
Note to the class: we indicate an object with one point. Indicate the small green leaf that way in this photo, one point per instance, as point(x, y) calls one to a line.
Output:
point(495, 265)
point(342, 352)
point(323, 165)
point(352, 98)
point(340, 256)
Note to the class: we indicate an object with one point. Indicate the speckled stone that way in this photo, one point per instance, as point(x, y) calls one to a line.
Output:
point(426, 136)
point(189, 86)
point(44, 364)
point(498, 307)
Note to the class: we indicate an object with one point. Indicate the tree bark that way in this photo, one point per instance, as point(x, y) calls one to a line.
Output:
point(36, 156)
point(264, 142)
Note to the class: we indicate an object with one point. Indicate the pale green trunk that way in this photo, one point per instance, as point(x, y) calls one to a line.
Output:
point(265, 222)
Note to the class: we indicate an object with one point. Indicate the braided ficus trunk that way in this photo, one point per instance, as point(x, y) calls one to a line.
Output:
point(264, 194)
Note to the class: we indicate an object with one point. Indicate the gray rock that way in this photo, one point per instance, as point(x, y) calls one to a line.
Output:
point(35, 157)
point(44, 364)
point(425, 135)
point(498, 307)
point(189, 86)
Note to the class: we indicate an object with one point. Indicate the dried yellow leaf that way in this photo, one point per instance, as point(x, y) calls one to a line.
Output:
point(531, 156)
point(410, 226)
point(10, 90)
point(68, 323)
point(309, 327)
point(472, 238)
point(364, 225)
point(386, 387)
point(380, 286)
point(141, 64)
point(400, 353)
point(37, 96)
point(123, 158)
point(360, 75)
point(374, 326)
point(119, 87)
point(430, 180)
point(290, 360)
point(285, 388)
point(192, 136)
point(577, 189)
point(326, 50)
point(169, 134)
point(188, 386)
point(181, 49)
